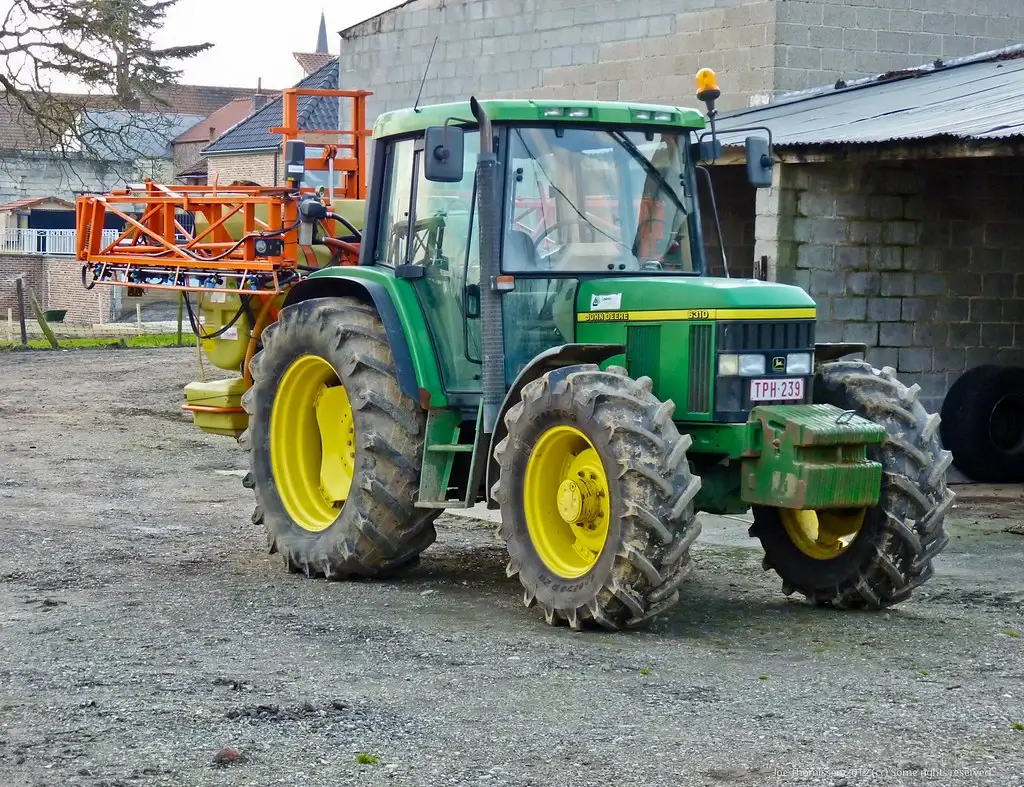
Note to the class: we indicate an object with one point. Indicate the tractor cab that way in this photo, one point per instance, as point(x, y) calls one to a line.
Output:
point(585, 191)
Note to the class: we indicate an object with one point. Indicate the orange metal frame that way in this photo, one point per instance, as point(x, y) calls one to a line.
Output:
point(155, 250)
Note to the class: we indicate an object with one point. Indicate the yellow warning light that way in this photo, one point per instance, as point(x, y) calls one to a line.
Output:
point(707, 85)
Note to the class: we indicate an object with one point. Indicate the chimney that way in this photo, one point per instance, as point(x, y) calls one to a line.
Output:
point(258, 100)
point(213, 133)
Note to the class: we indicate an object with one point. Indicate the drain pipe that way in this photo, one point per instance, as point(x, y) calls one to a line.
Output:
point(489, 209)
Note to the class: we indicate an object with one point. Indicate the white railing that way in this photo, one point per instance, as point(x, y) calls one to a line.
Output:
point(57, 242)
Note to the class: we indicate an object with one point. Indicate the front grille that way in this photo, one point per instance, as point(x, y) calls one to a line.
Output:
point(773, 338)
point(643, 352)
point(768, 335)
point(702, 364)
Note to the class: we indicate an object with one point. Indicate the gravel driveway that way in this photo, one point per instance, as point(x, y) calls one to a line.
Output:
point(143, 629)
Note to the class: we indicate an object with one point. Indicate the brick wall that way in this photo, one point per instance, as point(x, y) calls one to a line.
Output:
point(258, 167)
point(64, 290)
point(12, 265)
point(57, 283)
point(918, 259)
point(820, 41)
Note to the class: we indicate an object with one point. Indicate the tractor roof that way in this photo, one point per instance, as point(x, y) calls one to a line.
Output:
point(405, 121)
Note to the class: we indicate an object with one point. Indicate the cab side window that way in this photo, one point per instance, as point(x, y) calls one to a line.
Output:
point(393, 234)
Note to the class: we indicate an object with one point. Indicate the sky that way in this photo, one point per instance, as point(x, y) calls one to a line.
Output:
point(256, 38)
point(252, 39)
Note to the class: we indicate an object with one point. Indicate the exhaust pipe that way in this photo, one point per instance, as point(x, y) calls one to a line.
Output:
point(489, 209)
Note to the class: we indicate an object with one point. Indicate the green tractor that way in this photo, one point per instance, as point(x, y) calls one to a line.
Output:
point(531, 326)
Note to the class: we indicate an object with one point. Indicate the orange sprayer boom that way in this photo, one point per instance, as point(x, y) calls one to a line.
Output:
point(242, 237)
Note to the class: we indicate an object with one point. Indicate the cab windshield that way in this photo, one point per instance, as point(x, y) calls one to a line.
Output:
point(598, 201)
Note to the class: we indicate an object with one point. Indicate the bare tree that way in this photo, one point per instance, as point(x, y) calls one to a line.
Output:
point(106, 46)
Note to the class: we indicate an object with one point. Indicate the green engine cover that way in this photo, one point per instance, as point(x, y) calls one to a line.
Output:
point(812, 457)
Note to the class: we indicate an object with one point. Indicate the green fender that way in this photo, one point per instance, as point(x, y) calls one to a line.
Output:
point(399, 309)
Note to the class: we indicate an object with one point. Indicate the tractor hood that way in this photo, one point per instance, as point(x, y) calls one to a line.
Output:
point(674, 330)
point(651, 298)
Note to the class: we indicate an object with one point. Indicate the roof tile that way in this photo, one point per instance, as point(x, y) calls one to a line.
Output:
point(315, 112)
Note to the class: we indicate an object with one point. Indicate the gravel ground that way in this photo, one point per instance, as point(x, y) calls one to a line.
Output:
point(143, 629)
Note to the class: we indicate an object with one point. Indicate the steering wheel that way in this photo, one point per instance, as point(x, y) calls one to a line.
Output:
point(545, 258)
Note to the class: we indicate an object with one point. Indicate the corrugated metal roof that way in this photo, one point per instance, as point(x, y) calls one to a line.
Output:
point(254, 133)
point(974, 99)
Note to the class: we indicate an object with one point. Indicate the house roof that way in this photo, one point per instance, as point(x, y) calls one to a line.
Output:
point(201, 167)
point(30, 202)
point(220, 121)
point(19, 131)
point(975, 99)
point(124, 136)
point(201, 100)
point(312, 61)
point(315, 112)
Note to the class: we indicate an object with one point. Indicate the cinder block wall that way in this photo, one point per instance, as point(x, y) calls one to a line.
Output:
point(921, 260)
point(590, 49)
point(735, 198)
point(820, 41)
point(651, 49)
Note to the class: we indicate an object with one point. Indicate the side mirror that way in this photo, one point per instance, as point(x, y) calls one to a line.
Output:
point(444, 154)
point(759, 162)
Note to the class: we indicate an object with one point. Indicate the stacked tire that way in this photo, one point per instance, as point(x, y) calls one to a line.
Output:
point(983, 424)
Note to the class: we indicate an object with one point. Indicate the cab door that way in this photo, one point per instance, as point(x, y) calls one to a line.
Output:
point(428, 233)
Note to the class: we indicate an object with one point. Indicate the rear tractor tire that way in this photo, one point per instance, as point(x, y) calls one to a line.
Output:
point(335, 447)
point(868, 558)
point(983, 424)
point(596, 498)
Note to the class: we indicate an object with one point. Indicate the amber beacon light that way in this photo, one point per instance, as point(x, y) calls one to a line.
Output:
point(707, 86)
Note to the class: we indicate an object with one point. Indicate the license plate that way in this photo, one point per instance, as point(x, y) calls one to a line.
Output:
point(785, 390)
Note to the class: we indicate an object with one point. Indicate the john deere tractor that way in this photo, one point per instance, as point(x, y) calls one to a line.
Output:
point(531, 325)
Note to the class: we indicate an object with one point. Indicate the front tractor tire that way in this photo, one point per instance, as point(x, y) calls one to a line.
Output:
point(868, 558)
point(596, 498)
point(335, 447)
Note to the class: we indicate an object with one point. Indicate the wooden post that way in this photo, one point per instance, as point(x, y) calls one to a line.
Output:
point(41, 319)
point(10, 324)
point(21, 310)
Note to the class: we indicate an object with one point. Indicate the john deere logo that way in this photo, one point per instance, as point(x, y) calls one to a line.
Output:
point(778, 364)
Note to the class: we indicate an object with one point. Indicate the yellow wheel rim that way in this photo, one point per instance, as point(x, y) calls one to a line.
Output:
point(822, 535)
point(312, 443)
point(566, 501)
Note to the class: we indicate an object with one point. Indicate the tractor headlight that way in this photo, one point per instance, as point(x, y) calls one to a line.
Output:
point(751, 365)
point(728, 365)
point(742, 365)
point(798, 363)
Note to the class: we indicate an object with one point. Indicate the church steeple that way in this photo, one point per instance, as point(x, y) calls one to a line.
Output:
point(321, 40)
